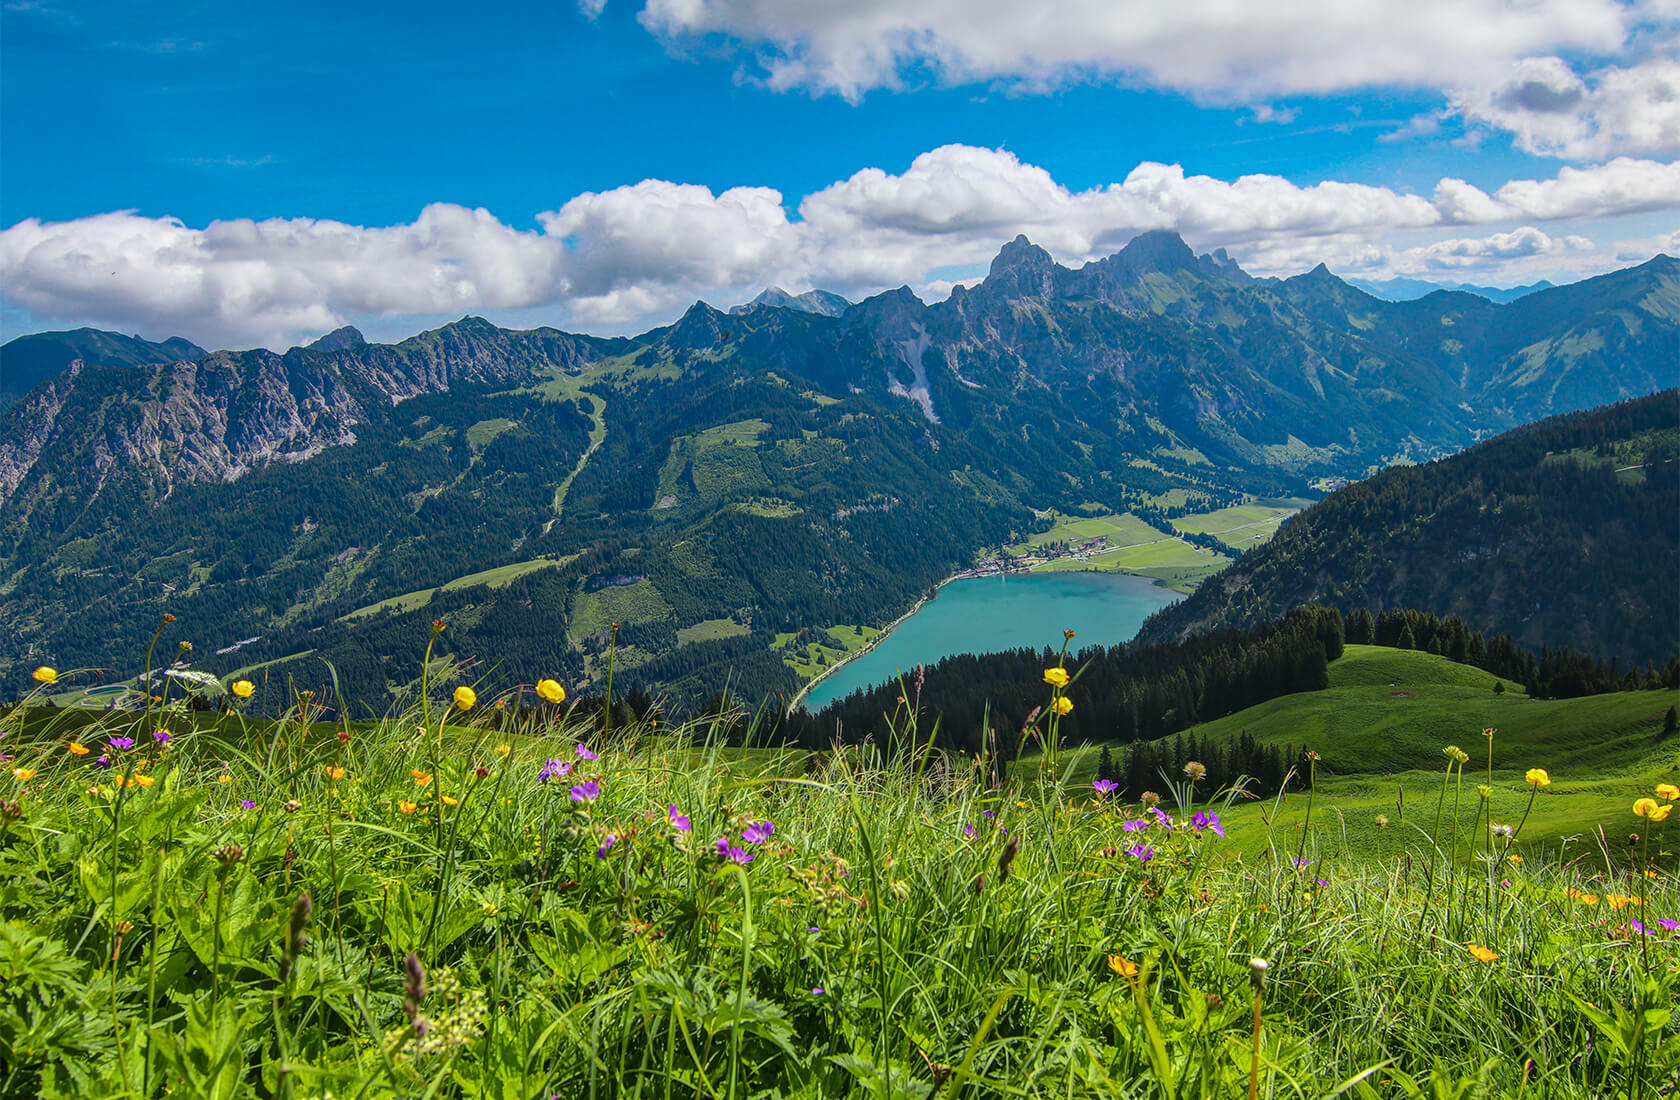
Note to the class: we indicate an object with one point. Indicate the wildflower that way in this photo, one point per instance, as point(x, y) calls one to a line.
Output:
point(465, 697)
point(247, 804)
point(552, 768)
point(503, 749)
point(1149, 799)
point(229, 855)
point(1537, 778)
point(78, 749)
point(420, 778)
point(407, 807)
point(292, 806)
point(583, 753)
point(1639, 928)
point(334, 772)
point(1257, 972)
point(141, 780)
point(1195, 771)
point(449, 800)
point(1455, 754)
point(551, 691)
point(1481, 954)
point(1668, 791)
point(758, 834)
point(1062, 705)
point(1644, 807)
point(46, 674)
point(1162, 819)
point(1588, 899)
point(1321, 882)
point(224, 778)
point(678, 821)
point(162, 737)
point(817, 991)
point(1382, 821)
point(606, 846)
point(1669, 923)
point(1206, 820)
point(968, 830)
point(1660, 813)
point(243, 688)
point(102, 762)
point(1514, 858)
point(120, 742)
point(23, 775)
point(1122, 966)
point(732, 853)
point(1502, 831)
point(482, 772)
point(1143, 853)
point(1103, 786)
point(1056, 677)
point(587, 791)
point(1484, 790)
point(1134, 826)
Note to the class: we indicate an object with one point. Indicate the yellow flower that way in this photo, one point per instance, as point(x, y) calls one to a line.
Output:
point(1589, 899)
point(1660, 812)
point(407, 807)
point(334, 773)
point(447, 801)
point(1668, 791)
point(23, 775)
point(465, 697)
point(1122, 966)
point(78, 749)
point(1537, 777)
point(1643, 807)
point(1062, 704)
point(1481, 954)
point(243, 688)
point(1514, 858)
point(46, 674)
point(1056, 677)
point(141, 780)
point(1484, 790)
point(551, 690)
point(503, 749)
point(420, 778)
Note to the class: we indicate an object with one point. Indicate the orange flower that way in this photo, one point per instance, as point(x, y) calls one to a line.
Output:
point(23, 775)
point(1122, 966)
point(420, 778)
point(448, 801)
point(141, 780)
point(334, 773)
point(78, 749)
point(1481, 954)
point(407, 807)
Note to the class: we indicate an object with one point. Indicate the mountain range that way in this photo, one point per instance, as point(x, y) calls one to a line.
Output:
point(717, 482)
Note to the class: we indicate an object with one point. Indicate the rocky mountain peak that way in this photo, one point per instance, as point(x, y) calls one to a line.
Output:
point(338, 339)
point(1157, 250)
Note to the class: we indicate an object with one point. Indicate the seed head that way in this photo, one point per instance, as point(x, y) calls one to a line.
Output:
point(1257, 974)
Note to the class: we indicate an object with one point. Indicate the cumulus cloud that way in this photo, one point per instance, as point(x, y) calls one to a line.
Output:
point(1551, 110)
point(1209, 47)
point(637, 255)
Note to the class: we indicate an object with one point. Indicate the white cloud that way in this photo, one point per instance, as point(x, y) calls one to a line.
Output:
point(1211, 47)
point(1551, 110)
point(637, 255)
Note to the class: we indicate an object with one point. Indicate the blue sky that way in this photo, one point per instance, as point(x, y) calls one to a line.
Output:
point(245, 174)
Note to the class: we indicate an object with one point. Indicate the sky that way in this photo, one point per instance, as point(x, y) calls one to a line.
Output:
point(252, 175)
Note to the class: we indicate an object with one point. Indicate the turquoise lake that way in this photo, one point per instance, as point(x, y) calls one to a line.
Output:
point(993, 613)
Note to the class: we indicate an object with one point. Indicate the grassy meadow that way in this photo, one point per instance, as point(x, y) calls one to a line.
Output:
point(481, 897)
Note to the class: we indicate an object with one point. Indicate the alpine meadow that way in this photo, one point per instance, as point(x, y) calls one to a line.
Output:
point(740, 550)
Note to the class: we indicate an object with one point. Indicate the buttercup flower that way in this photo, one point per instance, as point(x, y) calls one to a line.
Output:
point(503, 749)
point(1481, 954)
point(1062, 705)
point(78, 749)
point(243, 688)
point(465, 697)
point(46, 674)
point(407, 807)
point(23, 775)
point(1122, 966)
point(1537, 777)
point(1644, 807)
point(551, 691)
point(1660, 813)
point(1056, 677)
point(1668, 791)
point(420, 778)
point(334, 772)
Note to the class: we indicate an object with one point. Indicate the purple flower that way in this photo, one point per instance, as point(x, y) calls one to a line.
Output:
point(818, 991)
point(814, 930)
point(585, 753)
point(587, 791)
point(606, 846)
point(1298, 861)
point(740, 856)
point(968, 830)
point(161, 736)
point(1103, 786)
point(1134, 826)
point(120, 742)
point(102, 762)
point(1322, 881)
point(678, 821)
point(988, 813)
point(729, 851)
point(1143, 853)
point(1205, 820)
point(552, 768)
point(1671, 925)
point(1161, 818)
point(758, 834)
point(246, 803)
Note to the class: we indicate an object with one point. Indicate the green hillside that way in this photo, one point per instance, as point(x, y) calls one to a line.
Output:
point(1381, 728)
